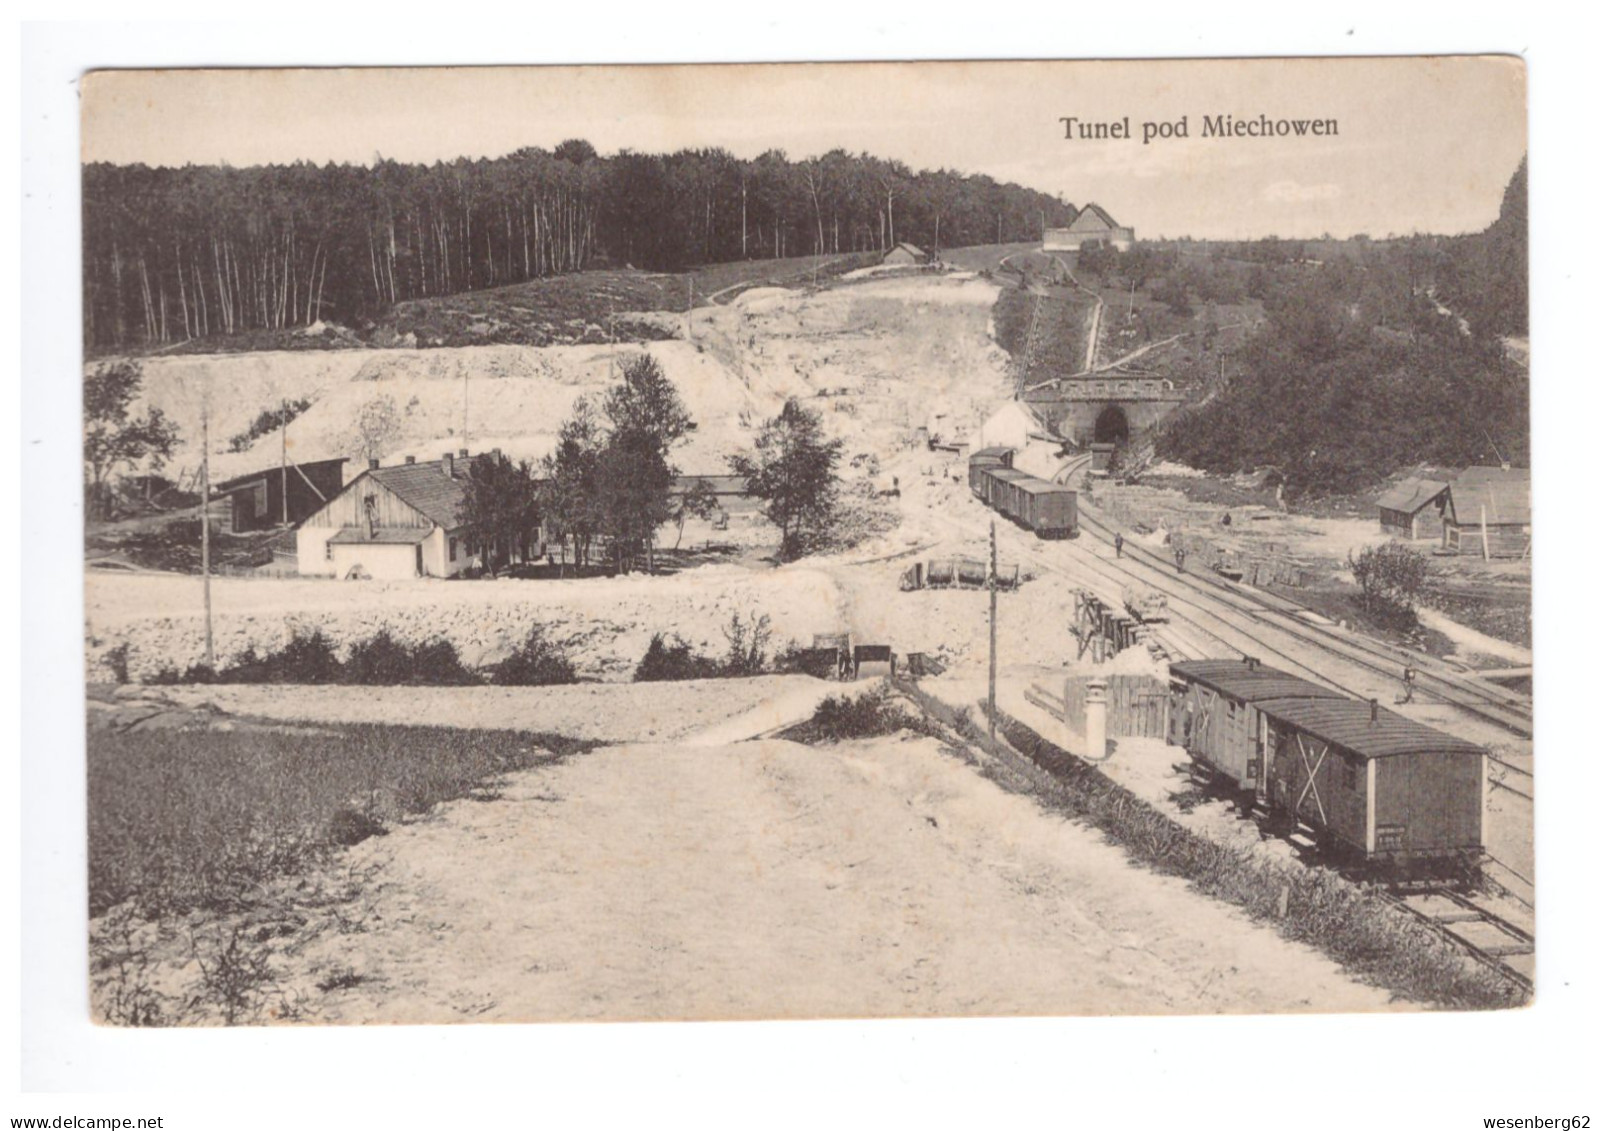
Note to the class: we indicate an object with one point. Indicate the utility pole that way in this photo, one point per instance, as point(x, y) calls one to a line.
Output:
point(994, 591)
point(205, 520)
point(283, 455)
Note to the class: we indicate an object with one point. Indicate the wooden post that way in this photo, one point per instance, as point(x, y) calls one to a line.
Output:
point(993, 605)
point(205, 521)
point(1484, 532)
point(283, 455)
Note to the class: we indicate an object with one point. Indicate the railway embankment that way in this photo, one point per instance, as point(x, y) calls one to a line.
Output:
point(1354, 924)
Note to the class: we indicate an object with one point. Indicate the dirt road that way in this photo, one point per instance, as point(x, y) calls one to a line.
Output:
point(775, 880)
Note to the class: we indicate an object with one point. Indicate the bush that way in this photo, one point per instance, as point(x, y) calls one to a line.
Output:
point(536, 663)
point(747, 645)
point(380, 660)
point(670, 658)
point(843, 717)
point(1391, 577)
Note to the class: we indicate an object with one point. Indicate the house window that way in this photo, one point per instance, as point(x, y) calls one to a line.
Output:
point(328, 551)
point(452, 549)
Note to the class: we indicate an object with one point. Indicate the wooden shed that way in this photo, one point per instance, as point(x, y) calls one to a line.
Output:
point(1414, 508)
point(905, 254)
point(1487, 512)
point(281, 495)
point(1217, 716)
point(1374, 783)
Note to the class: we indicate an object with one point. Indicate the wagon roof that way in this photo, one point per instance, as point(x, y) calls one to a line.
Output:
point(1250, 684)
point(1036, 486)
point(994, 450)
point(1010, 474)
point(1349, 724)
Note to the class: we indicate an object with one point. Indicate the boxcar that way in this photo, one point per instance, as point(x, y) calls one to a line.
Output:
point(987, 458)
point(1217, 716)
point(1374, 784)
point(1003, 489)
point(1048, 509)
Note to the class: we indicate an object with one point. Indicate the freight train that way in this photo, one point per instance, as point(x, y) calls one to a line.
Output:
point(1372, 785)
point(1049, 509)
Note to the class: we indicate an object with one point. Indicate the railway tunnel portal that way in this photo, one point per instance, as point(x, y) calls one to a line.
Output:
point(1105, 408)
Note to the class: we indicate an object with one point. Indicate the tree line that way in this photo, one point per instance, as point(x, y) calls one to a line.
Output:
point(177, 253)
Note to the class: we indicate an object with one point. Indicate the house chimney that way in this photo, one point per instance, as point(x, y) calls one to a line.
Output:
point(372, 463)
point(449, 464)
point(411, 459)
point(1373, 711)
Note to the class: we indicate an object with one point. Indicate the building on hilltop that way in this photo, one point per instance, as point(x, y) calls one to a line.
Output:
point(399, 522)
point(905, 254)
point(1094, 225)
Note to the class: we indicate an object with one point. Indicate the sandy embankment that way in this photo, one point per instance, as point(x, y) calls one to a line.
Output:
point(768, 879)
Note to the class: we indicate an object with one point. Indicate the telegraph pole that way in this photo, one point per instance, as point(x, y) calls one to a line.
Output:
point(283, 455)
point(205, 520)
point(994, 571)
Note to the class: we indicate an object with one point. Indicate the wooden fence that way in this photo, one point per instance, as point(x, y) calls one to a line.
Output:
point(1136, 705)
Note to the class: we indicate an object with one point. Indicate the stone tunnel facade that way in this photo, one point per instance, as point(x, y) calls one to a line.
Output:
point(1105, 409)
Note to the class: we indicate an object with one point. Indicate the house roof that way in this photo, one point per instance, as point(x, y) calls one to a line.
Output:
point(1351, 725)
point(251, 478)
point(426, 488)
point(1503, 493)
point(386, 536)
point(1411, 495)
point(1093, 218)
point(1249, 684)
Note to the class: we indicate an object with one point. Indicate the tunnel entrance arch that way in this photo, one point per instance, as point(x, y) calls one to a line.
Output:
point(1111, 426)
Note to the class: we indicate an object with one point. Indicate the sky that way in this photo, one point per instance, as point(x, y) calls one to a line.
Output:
point(1423, 144)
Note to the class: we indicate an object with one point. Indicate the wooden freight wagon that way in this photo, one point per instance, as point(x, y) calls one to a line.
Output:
point(1375, 784)
point(979, 462)
point(1003, 490)
point(1217, 714)
point(1050, 510)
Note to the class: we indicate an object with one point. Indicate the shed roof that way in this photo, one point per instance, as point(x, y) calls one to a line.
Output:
point(911, 247)
point(1411, 495)
point(1503, 493)
point(1350, 725)
point(251, 478)
point(386, 536)
point(1240, 680)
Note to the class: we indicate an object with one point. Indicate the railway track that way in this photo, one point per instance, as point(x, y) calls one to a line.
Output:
point(1508, 710)
point(1472, 928)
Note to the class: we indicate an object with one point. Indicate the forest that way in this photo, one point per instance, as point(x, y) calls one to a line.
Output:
point(172, 254)
point(1382, 356)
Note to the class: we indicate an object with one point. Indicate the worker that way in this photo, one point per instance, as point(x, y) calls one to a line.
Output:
point(1409, 678)
point(1117, 543)
point(1178, 558)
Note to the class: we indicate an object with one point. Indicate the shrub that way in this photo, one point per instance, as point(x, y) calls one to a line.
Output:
point(747, 644)
point(843, 717)
point(536, 663)
point(1391, 577)
point(669, 659)
point(385, 661)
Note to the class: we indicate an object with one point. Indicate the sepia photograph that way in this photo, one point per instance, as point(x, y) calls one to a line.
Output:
point(799, 541)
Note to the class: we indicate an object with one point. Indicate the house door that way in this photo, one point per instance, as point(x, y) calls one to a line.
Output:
point(419, 561)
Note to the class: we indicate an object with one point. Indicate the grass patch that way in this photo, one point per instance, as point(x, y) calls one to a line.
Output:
point(1351, 923)
point(186, 819)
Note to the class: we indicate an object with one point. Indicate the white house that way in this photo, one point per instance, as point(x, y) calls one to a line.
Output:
point(1094, 225)
point(395, 522)
point(1010, 426)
